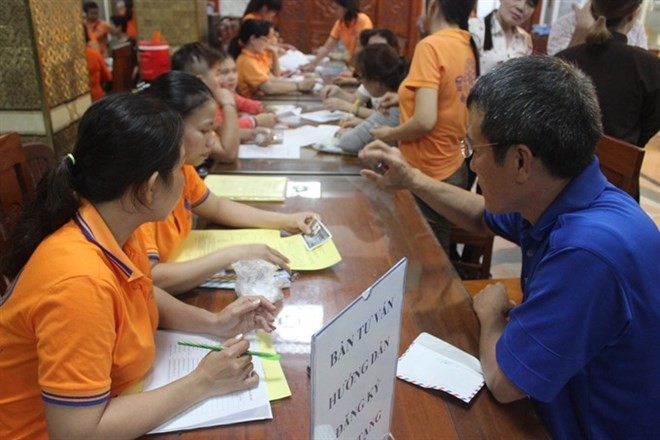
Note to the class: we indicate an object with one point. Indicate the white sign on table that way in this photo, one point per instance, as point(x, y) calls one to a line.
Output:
point(354, 359)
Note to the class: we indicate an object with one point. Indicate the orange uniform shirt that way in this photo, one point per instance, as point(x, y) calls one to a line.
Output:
point(350, 35)
point(162, 238)
point(253, 70)
point(76, 327)
point(445, 62)
point(98, 72)
point(98, 32)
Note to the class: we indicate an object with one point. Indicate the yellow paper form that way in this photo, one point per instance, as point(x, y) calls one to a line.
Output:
point(202, 242)
point(248, 188)
point(276, 385)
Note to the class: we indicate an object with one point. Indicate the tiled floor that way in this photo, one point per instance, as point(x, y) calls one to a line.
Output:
point(506, 255)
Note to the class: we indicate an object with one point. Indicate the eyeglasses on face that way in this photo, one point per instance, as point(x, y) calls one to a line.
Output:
point(467, 149)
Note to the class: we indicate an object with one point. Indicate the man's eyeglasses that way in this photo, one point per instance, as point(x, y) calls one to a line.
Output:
point(467, 149)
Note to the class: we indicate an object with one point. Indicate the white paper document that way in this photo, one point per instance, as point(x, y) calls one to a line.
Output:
point(274, 151)
point(322, 116)
point(292, 60)
point(174, 361)
point(430, 362)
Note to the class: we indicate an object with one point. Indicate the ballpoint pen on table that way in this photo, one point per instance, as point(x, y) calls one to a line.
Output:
point(260, 354)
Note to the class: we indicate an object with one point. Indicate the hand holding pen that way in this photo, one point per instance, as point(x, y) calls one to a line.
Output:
point(226, 371)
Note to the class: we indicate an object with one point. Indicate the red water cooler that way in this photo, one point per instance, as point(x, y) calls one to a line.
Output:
point(154, 57)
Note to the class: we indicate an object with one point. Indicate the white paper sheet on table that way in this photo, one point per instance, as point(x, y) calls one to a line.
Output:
point(322, 116)
point(308, 135)
point(174, 361)
point(430, 362)
point(292, 60)
point(274, 151)
point(284, 110)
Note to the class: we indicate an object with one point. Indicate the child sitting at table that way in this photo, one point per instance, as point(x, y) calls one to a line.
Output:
point(194, 102)
point(381, 70)
point(218, 71)
point(336, 98)
point(251, 50)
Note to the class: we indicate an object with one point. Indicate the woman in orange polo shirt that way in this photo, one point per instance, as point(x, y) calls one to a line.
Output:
point(251, 50)
point(77, 323)
point(193, 100)
point(432, 101)
point(350, 22)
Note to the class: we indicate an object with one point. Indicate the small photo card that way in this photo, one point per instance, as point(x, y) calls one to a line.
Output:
point(320, 234)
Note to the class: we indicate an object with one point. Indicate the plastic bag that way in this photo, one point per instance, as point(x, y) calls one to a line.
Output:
point(257, 277)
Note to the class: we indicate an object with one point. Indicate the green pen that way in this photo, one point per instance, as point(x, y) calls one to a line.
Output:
point(260, 354)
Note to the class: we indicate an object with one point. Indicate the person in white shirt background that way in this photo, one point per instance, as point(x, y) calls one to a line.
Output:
point(499, 35)
point(571, 29)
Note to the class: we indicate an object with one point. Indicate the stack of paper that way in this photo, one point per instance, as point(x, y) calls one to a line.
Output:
point(248, 188)
point(430, 362)
point(175, 361)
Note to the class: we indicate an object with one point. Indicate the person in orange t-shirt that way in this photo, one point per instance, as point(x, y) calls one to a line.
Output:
point(78, 320)
point(350, 22)
point(194, 101)
point(98, 71)
point(253, 63)
point(432, 102)
point(97, 30)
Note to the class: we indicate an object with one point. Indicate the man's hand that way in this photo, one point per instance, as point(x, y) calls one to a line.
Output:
point(388, 167)
point(492, 303)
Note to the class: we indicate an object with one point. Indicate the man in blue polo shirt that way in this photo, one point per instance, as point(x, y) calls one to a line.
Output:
point(583, 345)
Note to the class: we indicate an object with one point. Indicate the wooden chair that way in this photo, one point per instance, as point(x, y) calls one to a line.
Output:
point(621, 163)
point(16, 186)
point(122, 68)
point(40, 158)
point(474, 263)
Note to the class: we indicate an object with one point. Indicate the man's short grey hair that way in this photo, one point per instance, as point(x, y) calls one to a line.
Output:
point(542, 102)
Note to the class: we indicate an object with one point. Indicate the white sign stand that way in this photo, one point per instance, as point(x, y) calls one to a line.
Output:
point(353, 365)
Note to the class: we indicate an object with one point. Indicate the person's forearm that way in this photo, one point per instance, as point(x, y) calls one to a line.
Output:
point(276, 70)
point(413, 128)
point(277, 87)
point(133, 415)
point(230, 137)
point(459, 206)
point(492, 328)
point(180, 277)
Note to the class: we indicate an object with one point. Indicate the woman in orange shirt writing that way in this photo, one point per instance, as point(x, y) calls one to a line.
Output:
point(77, 323)
point(254, 64)
point(350, 22)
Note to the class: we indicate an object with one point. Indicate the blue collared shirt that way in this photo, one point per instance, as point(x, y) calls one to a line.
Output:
point(584, 342)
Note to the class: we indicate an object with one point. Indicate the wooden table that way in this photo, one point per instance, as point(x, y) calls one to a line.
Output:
point(311, 162)
point(373, 229)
